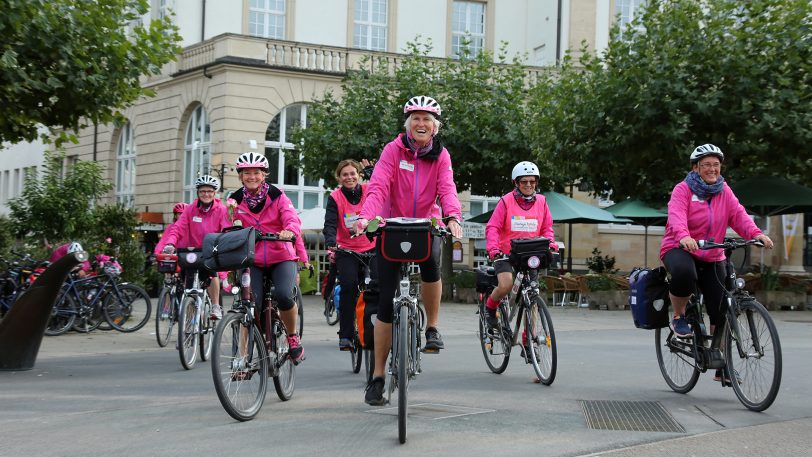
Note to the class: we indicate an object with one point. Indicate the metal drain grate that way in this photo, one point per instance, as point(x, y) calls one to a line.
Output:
point(640, 416)
point(434, 411)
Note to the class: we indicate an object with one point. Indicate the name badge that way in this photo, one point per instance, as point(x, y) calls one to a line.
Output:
point(404, 165)
point(694, 198)
point(349, 219)
point(521, 224)
point(197, 219)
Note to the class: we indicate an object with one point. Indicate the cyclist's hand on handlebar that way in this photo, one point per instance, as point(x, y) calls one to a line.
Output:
point(768, 243)
point(689, 244)
point(455, 228)
point(169, 249)
point(286, 235)
point(331, 253)
point(495, 254)
point(360, 225)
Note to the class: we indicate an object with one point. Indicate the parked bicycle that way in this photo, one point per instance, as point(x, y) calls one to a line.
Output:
point(250, 345)
point(523, 309)
point(746, 348)
point(195, 327)
point(16, 276)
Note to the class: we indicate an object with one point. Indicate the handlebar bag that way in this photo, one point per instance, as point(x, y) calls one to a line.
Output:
point(166, 263)
point(229, 251)
point(190, 259)
point(522, 249)
point(406, 241)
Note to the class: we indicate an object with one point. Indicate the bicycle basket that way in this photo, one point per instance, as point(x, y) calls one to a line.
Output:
point(524, 250)
point(166, 263)
point(406, 240)
point(486, 279)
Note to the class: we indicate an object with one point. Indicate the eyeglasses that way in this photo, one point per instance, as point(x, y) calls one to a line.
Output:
point(708, 166)
point(205, 192)
point(527, 182)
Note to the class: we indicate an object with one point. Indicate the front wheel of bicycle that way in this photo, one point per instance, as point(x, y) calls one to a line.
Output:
point(355, 354)
point(239, 366)
point(129, 309)
point(541, 340)
point(206, 329)
point(300, 306)
point(188, 332)
point(63, 315)
point(754, 361)
point(330, 311)
point(677, 364)
point(284, 379)
point(404, 337)
point(165, 316)
point(495, 342)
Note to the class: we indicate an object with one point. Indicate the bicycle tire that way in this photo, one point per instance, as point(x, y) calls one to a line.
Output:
point(330, 313)
point(300, 306)
point(128, 309)
point(678, 369)
point(206, 329)
point(87, 319)
point(187, 332)
point(495, 345)
point(754, 322)
point(284, 378)
point(541, 337)
point(355, 354)
point(404, 334)
point(63, 315)
point(164, 316)
point(240, 381)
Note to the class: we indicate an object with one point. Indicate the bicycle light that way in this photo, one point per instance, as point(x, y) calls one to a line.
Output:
point(740, 283)
point(533, 262)
point(191, 257)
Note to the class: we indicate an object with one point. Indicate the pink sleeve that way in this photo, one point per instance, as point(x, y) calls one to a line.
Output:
point(547, 227)
point(287, 213)
point(179, 228)
point(739, 220)
point(380, 183)
point(300, 249)
point(678, 211)
point(446, 188)
point(495, 227)
point(162, 242)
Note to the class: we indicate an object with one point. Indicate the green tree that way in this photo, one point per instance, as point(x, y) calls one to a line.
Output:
point(112, 232)
point(66, 64)
point(736, 74)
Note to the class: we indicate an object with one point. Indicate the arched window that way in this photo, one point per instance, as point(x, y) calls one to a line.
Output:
point(304, 192)
point(197, 157)
point(125, 167)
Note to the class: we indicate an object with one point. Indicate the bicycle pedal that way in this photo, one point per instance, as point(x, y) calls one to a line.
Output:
point(430, 351)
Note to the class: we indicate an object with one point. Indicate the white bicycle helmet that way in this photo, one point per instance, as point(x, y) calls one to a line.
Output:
point(74, 247)
point(706, 150)
point(525, 169)
point(252, 160)
point(207, 180)
point(422, 103)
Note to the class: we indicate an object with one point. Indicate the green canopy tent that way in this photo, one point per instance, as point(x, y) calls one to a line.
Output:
point(641, 214)
point(568, 210)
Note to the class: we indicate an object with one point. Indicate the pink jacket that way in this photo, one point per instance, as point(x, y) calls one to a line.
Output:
point(277, 214)
point(509, 221)
point(162, 242)
point(703, 220)
point(194, 224)
point(347, 215)
point(405, 186)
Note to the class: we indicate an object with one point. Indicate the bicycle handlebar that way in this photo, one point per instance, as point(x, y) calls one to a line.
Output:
point(273, 237)
point(729, 243)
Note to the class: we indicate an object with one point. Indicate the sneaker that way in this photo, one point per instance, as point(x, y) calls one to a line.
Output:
point(681, 328)
point(490, 318)
point(216, 312)
point(718, 377)
point(295, 350)
point(526, 353)
point(433, 339)
point(374, 393)
point(345, 344)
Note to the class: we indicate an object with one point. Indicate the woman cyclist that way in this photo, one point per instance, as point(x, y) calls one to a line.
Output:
point(413, 172)
point(205, 215)
point(521, 213)
point(702, 206)
point(343, 207)
point(269, 210)
point(177, 210)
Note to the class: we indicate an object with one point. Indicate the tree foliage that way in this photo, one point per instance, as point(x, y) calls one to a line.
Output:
point(736, 74)
point(68, 63)
point(484, 115)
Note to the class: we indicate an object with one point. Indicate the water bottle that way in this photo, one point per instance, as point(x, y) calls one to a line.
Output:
point(516, 283)
point(336, 295)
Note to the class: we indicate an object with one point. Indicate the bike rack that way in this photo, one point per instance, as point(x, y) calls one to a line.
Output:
point(22, 329)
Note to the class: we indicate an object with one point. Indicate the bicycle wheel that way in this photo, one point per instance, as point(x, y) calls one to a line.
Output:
point(754, 361)
point(496, 344)
point(284, 370)
point(330, 313)
point(676, 361)
point(404, 337)
point(129, 309)
point(165, 316)
point(541, 338)
point(300, 306)
point(238, 366)
point(355, 354)
point(88, 317)
point(206, 329)
point(63, 315)
point(187, 332)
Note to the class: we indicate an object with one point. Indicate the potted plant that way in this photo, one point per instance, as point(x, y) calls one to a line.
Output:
point(603, 290)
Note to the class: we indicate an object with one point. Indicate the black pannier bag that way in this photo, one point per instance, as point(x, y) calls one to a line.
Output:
point(523, 248)
point(406, 240)
point(648, 297)
point(231, 250)
point(486, 279)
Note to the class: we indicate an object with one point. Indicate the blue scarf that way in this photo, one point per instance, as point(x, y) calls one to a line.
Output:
point(702, 189)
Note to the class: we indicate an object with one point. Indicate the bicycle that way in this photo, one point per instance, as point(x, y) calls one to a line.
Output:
point(747, 348)
point(166, 315)
point(195, 327)
point(330, 309)
point(251, 344)
point(17, 276)
point(357, 351)
point(524, 302)
point(410, 240)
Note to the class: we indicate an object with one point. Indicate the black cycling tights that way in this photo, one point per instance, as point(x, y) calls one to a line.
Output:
point(687, 273)
point(283, 275)
point(389, 273)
